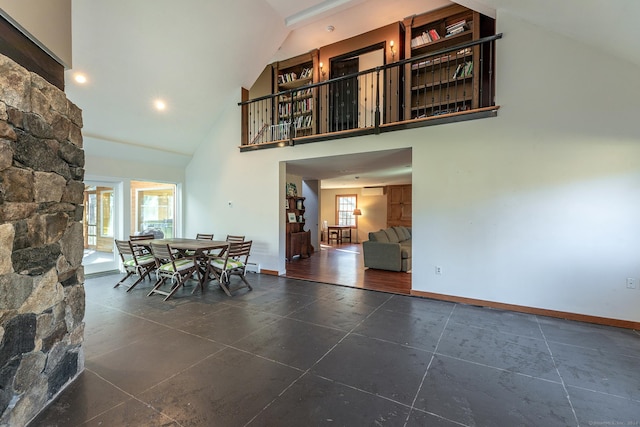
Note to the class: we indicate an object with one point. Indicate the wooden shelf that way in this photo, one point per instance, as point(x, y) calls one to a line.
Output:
point(432, 86)
point(450, 82)
point(298, 241)
point(302, 102)
point(295, 83)
point(439, 44)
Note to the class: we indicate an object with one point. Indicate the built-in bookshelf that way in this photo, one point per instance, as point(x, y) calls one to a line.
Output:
point(298, 241)
point(448, 83)
point(295, 110)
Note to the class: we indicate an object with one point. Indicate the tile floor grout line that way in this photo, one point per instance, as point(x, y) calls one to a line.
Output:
point(315, 363)
point(131, 396)
point(265, 358)
point(281, 317)
point(522, 374)
point(426, 371)
point(194, 364)
point(493, 330)
point(604, 393)
point(633, 356)
point(555, 365)
point(387, 398)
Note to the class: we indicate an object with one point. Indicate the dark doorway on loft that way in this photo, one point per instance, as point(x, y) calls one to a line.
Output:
point(343, 109)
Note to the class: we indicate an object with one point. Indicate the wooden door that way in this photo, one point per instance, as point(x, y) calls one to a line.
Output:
point(399, 210)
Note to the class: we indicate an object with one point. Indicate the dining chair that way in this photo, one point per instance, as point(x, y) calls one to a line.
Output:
point(168, 266)
point(135, 261)
point(233, 262)
point(231, 239)
point(135, 237)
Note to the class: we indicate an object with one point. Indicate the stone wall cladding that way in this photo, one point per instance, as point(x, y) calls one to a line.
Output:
point(41, 245)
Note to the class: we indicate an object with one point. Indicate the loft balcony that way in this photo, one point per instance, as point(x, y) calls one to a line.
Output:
point(453, 83)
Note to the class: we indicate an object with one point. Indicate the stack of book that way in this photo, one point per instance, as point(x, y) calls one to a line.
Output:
point(287, 77)
point(456, 28)
point(306, 73)
point(424, 38)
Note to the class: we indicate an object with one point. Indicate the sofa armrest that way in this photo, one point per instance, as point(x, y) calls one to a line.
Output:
point(381, 255)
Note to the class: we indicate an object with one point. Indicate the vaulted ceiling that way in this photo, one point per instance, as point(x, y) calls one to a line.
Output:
point(196, 54)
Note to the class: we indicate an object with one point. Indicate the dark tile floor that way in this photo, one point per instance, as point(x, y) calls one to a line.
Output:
point(296, 353)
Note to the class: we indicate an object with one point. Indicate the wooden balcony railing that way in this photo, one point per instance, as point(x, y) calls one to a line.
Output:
point(447, 85)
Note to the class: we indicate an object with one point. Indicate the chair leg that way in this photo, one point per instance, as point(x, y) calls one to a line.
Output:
point(135, 283)
point(244, 279)
point(157, 285)
point(129, 273)
point(224, 283)
point(200, 281)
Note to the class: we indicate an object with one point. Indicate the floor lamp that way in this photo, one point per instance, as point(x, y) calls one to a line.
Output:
point(357, 212)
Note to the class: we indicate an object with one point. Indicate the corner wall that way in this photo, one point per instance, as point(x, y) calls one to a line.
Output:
point(41, 245)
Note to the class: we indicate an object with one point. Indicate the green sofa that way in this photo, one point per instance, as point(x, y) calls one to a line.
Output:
point(388, 249)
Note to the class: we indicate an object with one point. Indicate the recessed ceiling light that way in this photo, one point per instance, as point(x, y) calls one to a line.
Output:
point(330, 28)
point(80, 78)
point(160, 105)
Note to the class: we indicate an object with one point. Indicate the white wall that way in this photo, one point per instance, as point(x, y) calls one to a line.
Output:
point(536, 207)
point(47, 23)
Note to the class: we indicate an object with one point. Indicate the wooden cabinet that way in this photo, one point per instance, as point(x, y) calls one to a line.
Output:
point(296, 108)
point(399, 205)
point(298, 241)
point(449, 82)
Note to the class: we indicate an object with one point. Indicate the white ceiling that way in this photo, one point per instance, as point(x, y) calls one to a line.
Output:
point(196, 54)
point(372, 169)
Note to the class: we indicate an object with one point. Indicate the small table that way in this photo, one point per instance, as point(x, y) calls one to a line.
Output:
point(338, 229)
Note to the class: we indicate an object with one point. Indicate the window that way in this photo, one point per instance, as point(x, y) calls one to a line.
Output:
point(345, 204)
point(153, 207)
point(106, 217)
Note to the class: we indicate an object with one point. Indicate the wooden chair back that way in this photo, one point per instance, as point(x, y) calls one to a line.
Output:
point(238, 250)
point(232, 238)
point(202, 236)
point(124, 248)
point(133, 238)
point(162, 253)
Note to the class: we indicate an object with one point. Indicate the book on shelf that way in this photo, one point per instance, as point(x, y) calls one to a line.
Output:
point(434, 61)
point(463, 70)
point(458, 72)
point(468, 69)
point(420, 40)
point(306, 73)
point(456, 27)
point(433, 33)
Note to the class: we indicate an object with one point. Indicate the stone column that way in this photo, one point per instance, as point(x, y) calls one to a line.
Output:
point(41, 244)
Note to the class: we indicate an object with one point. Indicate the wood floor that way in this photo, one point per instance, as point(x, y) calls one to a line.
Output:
point(342, 264)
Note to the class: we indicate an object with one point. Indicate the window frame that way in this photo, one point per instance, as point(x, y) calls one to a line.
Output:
point(353, 219)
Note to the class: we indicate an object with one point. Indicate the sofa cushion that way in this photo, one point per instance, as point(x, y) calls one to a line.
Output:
point(392, 235)
point(378, 236)
point(402, 232)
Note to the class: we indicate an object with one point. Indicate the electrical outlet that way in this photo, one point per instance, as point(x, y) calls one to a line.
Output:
point(631, 283)
point(438, 270)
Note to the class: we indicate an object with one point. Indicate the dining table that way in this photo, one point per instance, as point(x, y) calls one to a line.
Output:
point(199, 249)
point(338, 230)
